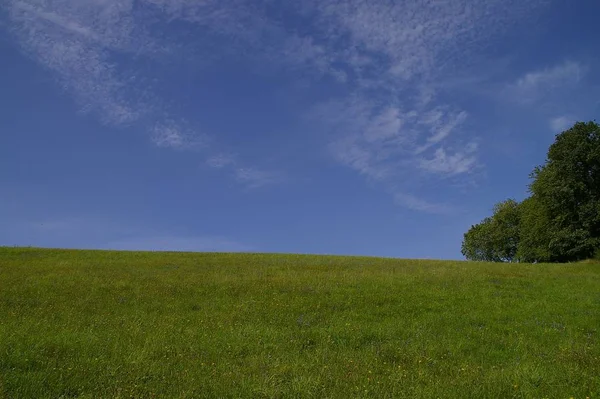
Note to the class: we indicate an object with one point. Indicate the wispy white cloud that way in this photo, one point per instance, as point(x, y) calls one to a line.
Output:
point(103, 233)
point(417, 204)
point(389, 56)
point(537, 85)
point(384, 126)
point(568, 72)
point(561, 123)
point(442, 163)
point(389, 145)
point(247, 176)
point(367, 137)
point(220, 161)
point(441, 123)
point(81, 42)
point(62, 37)
point(255, 178)
point(56, 19)
point(397, 126)
point(416, 40)
point(78, 226)
point(350, 152)
point(172, 135)
point(301, 52)
point(180, 244)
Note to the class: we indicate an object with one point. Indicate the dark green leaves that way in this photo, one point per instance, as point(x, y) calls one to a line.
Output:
point(560, 222)
point(495, 239)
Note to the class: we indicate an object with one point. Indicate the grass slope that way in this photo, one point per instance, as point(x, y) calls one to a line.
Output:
point(95, 324)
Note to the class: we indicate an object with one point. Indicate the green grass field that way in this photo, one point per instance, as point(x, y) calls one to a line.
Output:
point(95, 324)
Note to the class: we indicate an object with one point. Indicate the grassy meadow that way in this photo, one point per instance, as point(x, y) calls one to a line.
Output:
point(102, 324)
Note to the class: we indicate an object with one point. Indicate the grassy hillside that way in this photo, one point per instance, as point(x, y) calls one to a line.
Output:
point(94, 324)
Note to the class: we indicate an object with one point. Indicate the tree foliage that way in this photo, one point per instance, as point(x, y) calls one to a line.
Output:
point(496, 238)
point(477, 243)
point(534, 232)
point(560, 221)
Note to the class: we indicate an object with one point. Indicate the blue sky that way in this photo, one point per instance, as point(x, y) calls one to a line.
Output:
point(319, 126)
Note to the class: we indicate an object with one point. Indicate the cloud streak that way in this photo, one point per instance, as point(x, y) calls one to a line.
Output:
point(249, 177)
point(179, 244)
point(451, 164)
point(417, 204)
point(170, 134)
point(103, 233)
point(397, 127)
point(79, 57)
point(391, 146)
point(385, 116)
point(561, 123)
point(538, 85)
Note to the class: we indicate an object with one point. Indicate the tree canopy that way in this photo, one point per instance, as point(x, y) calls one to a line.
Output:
point(495, 239)
point(560, 221)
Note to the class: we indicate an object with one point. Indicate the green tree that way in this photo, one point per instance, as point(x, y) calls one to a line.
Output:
point(495, 239)
point(478, 243)
point(560, 222)
point(567, 191)
point(534, 232)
